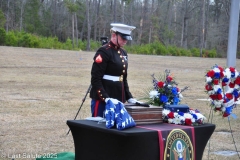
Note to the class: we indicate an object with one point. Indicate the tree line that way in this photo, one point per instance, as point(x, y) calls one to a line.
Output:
point(187, 24)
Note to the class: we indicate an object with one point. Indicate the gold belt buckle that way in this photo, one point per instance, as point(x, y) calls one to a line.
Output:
point(121, 78)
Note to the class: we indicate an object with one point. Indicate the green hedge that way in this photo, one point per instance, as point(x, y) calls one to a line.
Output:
point(2, 36)
point(22, 39)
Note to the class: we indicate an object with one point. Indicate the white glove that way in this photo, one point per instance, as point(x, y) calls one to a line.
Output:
point(133, 100)
point(114, 101)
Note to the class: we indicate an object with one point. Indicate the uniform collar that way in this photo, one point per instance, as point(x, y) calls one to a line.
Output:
point(114, 45)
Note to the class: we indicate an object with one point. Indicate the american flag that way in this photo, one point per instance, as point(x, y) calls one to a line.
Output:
point(117, 114)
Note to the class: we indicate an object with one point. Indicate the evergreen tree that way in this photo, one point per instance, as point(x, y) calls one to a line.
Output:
point(2, 19)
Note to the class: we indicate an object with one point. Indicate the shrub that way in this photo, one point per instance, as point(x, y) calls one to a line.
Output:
point(50, 43)
point(2, 36)
point(195, 52)
point(95, 45)
point(212, 53)
point(11, 39)
point(68, 44)
point(185, 52)
point(159, 48)
point(24, 40)
point(144, 49)
point(172, 50)
point(82, 45)
point(28, 40)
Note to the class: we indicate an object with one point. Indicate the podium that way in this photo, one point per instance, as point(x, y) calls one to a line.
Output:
point(93, 141)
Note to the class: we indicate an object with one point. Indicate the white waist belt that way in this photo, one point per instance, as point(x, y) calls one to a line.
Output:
point(112, 78)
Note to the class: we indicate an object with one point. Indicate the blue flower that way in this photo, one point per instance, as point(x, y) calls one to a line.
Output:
point(181, 113)
point(174, 91)
point(229, 109)
point(225, 79)
point(176, 100)
point(163, 98)
point(194, 116)
point(219, 91)
point(217, 75)
point(235, 93)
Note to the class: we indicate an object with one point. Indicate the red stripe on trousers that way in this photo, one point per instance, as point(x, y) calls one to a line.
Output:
point(96, 108)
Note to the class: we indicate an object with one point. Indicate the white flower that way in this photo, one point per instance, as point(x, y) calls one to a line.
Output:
point(153, 94)
point(211, 92)
point(193, 120)
point(208, 79)
point(165, 112)
point(236, 86)
point(216, 87)
point(175, 114)
point(187, 115)
point(179, 119)
point(236, 74)
point(216, 69)
point(227, 73)
point(170, 120)
point(217, 104)
point(229, 90)
point(223, 109)
point(180, 95)
point(200, 116)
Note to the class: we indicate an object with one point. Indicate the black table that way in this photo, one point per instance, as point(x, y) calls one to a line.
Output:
point(94, 141)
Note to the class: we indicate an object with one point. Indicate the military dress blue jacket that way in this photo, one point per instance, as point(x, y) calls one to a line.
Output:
point(112, 61)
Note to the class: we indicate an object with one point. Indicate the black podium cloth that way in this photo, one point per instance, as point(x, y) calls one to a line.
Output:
point(93, 141)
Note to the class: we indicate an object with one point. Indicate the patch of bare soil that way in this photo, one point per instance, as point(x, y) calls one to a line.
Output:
point(40, 89)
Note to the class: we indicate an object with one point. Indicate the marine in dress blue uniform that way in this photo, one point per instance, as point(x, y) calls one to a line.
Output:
point(109, 71)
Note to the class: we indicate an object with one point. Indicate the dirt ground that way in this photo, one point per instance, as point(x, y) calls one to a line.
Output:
point(40, 89)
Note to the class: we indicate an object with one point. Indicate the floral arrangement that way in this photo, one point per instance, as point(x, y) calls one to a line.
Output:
point(191, 118)
point(222, 86)
point(165, 92)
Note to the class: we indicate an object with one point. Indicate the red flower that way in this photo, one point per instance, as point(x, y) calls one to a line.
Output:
point(237, 81)
point(221, 74)
point(219, 96)
point(169, 78)
point(232, 69)
point(215, 81)
point(224, 83)
point(213, 97)
point(160, 84)
point(225, 114)
point(231, 85)
point(171, 115)
point(208, 87)
point(220, 68)
point(188, 121)
point(229, 96)
point(211, 74)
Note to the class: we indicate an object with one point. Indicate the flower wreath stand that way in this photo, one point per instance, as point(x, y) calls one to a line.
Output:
point(223, 89)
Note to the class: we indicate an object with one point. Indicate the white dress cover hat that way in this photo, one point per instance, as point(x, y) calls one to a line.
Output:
point(123, 29)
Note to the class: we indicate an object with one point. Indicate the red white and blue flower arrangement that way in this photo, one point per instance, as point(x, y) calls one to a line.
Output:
point(222, 86)
point(165, 92)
